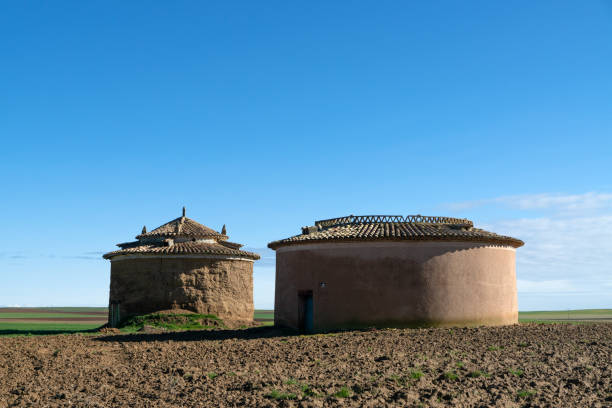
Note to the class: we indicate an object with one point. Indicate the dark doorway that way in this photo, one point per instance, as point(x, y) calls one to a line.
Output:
point(305, 311)
point(114, 314)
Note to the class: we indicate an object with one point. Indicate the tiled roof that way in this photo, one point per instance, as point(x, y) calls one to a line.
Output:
point(186, 248)
point(395, 228)
point(182, 236)
point(182, 227)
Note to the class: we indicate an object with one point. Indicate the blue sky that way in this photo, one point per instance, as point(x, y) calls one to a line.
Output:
point(268, 116)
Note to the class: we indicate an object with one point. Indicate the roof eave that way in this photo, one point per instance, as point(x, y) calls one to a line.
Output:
point(509, 241)
point(175, 235)
point(244, 254)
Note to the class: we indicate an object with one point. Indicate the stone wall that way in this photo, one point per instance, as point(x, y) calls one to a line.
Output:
point(209, 286)
point(365, 284)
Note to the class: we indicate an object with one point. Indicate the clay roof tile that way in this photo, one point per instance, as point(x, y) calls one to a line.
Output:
point(200, 248)
point(182, 226)
point(395, 227)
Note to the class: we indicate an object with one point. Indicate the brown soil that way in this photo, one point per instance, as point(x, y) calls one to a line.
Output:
point(561, 365)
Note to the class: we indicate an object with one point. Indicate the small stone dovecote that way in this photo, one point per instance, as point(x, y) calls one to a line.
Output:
point(181, 265)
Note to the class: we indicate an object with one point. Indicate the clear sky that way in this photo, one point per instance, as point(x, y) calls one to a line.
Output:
point(266, 116)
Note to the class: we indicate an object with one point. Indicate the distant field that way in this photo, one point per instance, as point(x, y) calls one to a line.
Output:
point(17, 315)
point(55, 320)
point(264, 314)
point(36, 329)
point(265, 317)
point(584, 315)
point(50, 320)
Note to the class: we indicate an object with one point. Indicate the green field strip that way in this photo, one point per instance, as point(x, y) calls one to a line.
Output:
point(37, 329)
point(568, 315)
point(264, 314)
point(8, 315)
point(76, 309)
point(594, 312)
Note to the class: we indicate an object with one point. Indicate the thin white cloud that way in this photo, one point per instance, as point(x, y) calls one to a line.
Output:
point(572, 248)
point(547, 286)
point(568, 245)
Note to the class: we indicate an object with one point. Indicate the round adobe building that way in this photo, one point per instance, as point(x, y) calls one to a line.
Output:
point(394, 271)
point(184, 266)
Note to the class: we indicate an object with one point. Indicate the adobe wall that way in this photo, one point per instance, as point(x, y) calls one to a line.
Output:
point(397, 284)
point(209, 286)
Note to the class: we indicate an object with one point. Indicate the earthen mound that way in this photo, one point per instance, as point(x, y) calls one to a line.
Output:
point(172, 320)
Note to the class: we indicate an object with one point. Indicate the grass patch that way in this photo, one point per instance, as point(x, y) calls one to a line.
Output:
point(518, 373)
point(493, 348)
point(459, 364)
point(344, 392)
point(398, 380)
point(416, 374)
point(277, 395)
point(188, 321)
point(526, 393)
point(308, 392)
point(479, 373)
point(212, 375)
point(291, 381)
point(451, 376)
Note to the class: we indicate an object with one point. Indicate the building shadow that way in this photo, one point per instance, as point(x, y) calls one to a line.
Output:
point(203, 335)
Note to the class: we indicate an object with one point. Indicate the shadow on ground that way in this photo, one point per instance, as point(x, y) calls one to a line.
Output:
point(199, 335)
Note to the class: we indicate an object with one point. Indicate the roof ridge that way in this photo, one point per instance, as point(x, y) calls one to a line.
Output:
point(182, 226)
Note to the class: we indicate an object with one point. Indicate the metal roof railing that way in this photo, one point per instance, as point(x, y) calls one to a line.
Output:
point(376, 219)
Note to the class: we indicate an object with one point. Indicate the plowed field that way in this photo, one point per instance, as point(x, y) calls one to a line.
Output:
point(555, 365)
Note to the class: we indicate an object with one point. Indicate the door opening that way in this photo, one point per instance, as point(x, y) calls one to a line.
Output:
point(305, 311)
point(114, 314)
